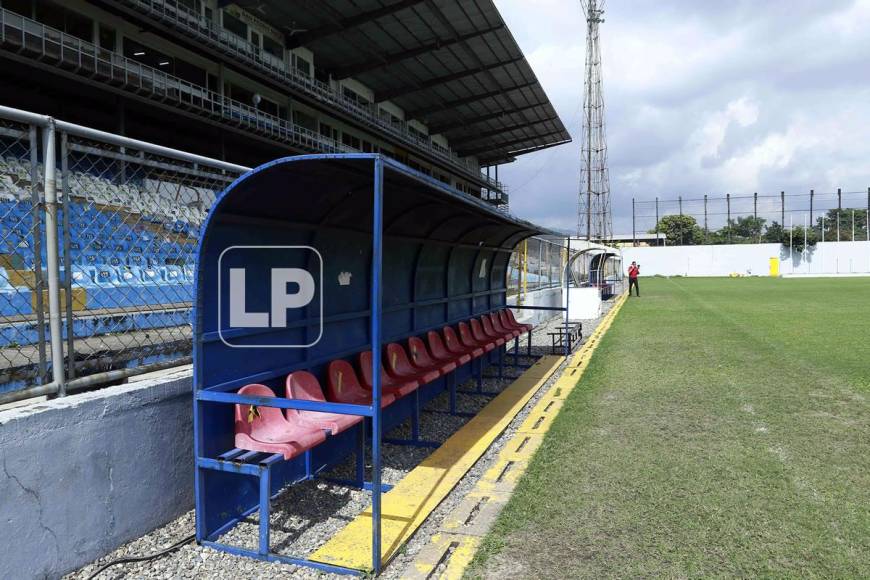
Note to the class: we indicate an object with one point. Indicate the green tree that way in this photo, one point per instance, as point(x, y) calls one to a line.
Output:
point(680, 230)
point(773, 233)
point(799, 239)
point(829, 222)
point(743, 230)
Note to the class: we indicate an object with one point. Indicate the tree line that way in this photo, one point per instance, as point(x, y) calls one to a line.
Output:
point(683, 230)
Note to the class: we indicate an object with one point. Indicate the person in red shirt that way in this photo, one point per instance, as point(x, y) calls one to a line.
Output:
point(633, 273)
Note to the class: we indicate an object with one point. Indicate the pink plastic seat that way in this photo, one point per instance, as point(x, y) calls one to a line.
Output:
point(342, 386)
point(304, 386)
point(468, 339)
point(398, 387)
point(456, 346)
point(482, 330)
point(401, 368)
point(441, 353)
point(266, 429)
point(421, 358)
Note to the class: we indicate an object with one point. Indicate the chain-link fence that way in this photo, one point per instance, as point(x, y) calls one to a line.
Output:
point(128, 216)
point(754, 218)
point(23, 341)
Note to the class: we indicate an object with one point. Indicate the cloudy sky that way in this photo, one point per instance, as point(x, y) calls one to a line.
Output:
point(703, 97)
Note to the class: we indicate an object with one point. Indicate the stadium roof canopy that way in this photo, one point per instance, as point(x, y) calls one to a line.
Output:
point(452, 64)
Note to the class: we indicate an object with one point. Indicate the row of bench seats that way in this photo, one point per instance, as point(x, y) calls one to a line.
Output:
point(270, 430)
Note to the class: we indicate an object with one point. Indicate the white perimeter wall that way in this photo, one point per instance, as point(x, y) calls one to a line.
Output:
point(749, 259)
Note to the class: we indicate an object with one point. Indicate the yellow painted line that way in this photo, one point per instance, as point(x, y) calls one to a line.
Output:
point(539, 420)
point(405, 507)
point(495, 486)
point(453, 551)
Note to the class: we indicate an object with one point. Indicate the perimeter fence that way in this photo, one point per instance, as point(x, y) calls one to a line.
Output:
point(97, 240)
point(755, 218)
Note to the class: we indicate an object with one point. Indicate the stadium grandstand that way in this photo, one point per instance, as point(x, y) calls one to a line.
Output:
point(439, 85)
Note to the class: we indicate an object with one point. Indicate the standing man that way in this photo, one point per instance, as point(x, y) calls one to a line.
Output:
point(633, 273)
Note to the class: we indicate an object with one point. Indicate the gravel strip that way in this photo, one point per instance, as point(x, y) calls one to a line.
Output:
point(306, 515)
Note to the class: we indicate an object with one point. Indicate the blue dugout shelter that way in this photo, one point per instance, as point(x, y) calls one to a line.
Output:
point(313, 259)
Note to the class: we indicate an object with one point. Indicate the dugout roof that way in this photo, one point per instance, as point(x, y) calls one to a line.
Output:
point(452, 64)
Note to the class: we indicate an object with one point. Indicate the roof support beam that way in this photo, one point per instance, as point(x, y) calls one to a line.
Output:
point(346, 24)
point(447, 105)
point(437, 81)
point(478, 136)
point(497, 146)
point(389, 59)
point(448, 126)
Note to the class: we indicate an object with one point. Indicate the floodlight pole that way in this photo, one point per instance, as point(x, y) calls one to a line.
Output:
point(839, 210)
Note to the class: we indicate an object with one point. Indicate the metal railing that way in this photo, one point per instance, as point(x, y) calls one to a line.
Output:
point(32, 38)
point(186, 20)
point(97, 241)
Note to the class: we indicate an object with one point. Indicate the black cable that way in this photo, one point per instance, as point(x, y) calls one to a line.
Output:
point(128, 559)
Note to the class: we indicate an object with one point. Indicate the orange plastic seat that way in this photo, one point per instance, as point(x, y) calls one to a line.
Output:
point(398, 387)
point(442, 354)
point(342, 386)
point(401, 368)
point(421, 358)
point(304, 386)
point(266, 429)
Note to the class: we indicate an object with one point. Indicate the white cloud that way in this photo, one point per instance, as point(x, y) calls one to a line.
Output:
point(702, 97)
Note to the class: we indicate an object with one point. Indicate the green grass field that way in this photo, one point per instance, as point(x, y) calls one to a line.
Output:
point(721, 429)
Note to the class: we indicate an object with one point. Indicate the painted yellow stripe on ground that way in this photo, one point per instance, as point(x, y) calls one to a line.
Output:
point(411, 501)
point(453, 551)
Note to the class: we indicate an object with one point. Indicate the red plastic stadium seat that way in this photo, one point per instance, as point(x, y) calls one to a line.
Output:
point(399, 387)
point(421, 358)
point(304, 386)
point(342, 386)
point(500, 327)
point(454, 345)
point(507, 317)
point(266, 429)
point(401, 368)
point(468, 339)
point(442, 354)
point(488, 331)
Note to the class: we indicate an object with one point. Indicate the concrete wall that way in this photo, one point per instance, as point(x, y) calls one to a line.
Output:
point(751, 259)
point(87, 473)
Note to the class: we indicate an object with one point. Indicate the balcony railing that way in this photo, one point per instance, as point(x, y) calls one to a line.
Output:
point(30, 38)
point(184, 19)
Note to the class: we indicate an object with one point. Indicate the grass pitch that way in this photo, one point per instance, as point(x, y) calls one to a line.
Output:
point(721, 429)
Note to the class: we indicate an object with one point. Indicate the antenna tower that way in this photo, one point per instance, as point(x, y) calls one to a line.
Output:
point(594, 221)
